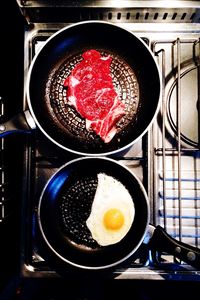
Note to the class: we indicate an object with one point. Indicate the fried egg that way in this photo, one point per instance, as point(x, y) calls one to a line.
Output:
point(112, 212)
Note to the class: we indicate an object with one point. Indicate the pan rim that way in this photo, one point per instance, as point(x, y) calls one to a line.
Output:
point(113, 152)
point(84, 266)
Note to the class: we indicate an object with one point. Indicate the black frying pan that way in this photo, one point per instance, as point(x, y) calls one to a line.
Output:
point(65, 204)
point(135, 75)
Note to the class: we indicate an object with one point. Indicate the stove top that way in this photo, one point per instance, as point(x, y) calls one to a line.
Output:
point(166, 159)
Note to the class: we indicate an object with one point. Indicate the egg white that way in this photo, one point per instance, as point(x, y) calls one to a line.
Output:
point(110, 194)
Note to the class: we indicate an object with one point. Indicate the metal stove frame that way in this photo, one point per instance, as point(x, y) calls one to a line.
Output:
point(162, 23)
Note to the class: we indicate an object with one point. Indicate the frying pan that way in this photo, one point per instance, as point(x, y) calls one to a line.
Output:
point(135, 76)
point(65, 205)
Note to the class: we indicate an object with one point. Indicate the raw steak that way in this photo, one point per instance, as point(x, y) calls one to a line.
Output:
point(90, 90)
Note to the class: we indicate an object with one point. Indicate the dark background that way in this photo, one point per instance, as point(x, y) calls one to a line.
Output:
point(12, 286)
point(11, 53)
point(11, 92)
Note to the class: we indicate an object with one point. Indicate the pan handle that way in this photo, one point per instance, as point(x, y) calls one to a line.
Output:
point(161, 241)
point(21, 123)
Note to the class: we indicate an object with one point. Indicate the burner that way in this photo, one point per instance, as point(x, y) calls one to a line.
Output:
point(188, 107)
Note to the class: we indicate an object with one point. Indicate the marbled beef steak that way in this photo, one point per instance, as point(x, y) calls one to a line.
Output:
point(91, 91)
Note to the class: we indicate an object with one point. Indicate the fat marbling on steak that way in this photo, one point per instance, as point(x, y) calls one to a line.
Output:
point(91, 91)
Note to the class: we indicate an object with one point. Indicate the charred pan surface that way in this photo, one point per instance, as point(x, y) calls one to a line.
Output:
point(66, 116)
point(75, 207)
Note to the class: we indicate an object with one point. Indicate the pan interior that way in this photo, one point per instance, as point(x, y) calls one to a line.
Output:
point(75, 206)
point(68, 119)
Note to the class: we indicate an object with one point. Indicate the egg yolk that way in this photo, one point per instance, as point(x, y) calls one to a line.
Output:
point(113, 219)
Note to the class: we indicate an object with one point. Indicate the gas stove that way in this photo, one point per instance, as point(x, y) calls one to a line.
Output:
point(166, 159)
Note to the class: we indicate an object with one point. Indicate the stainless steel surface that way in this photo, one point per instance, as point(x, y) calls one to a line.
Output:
point(177, 163)
point(164, 160)
point(114, 11)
